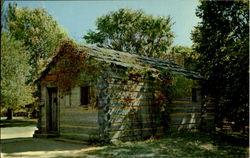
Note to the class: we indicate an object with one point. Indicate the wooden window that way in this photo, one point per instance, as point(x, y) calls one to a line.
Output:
point(85, 95)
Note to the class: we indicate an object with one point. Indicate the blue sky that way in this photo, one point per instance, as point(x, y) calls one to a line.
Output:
point(77, 17)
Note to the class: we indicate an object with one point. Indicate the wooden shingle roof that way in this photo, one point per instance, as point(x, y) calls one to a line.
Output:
point(125, 59)
point(135, 61)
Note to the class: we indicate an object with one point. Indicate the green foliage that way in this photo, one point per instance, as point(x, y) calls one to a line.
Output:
point(14, 72)
point(134, 32)
point(221, 41)
point(37, 29)
point(182, 55)
point(181, 87)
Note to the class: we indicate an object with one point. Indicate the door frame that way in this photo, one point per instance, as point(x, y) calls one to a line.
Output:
point(50, 126)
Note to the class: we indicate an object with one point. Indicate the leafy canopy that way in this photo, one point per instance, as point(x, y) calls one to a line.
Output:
point(14, 72)
point(221, 41)
point(182, 55)
point(38, 30)
point(134, 32)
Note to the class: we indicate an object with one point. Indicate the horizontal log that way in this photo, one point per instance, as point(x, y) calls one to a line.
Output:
point(210, 114)
point(150, 115)
point(135, 106)
point(188, 125)
point(132, 103)
point(185, 110)
point(77, 126)
point(135, 122)
point(138, 129)
point(79, 113)
point(196, 105)
point(189, 117)
point(110, 90)
point(137, 112)
point(74, 117)
point(133, 125)
point(183, 107)
point(184, 113)
point(124, 118)
point(184, 121)
point(118, 79)
point(137, 88)
point(142, 132)
point(77, 110)
point(80, 130)
point(210, 107)
point(80, 121)
point(182, 101)
point(136, 99)
point(181, 117)
point(209, 119)
point(156, 87)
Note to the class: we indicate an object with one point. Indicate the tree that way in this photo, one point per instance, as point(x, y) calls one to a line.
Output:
point(37, 29)
point(133, 32)
point(183, 56)
point(221, 41)
point(14, 71)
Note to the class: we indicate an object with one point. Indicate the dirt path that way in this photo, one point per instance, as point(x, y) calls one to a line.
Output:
point(17, 132)
point(30, 148)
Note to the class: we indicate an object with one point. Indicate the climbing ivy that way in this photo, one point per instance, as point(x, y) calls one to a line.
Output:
point(74, 61)
point(71, 62)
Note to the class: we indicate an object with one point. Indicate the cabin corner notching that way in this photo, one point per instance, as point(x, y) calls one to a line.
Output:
point(111, 105)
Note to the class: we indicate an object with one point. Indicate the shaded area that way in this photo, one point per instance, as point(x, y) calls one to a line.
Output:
point(31, 147)
point(35, 144)
point(176, 145)
point(180, 145)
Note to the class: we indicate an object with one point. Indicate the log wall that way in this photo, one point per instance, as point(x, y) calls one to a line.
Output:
point(187, 115)
point(77, 121)
point(132, 113)
point(124, 109)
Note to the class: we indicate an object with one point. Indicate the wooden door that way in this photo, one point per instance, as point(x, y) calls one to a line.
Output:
point(52, 109)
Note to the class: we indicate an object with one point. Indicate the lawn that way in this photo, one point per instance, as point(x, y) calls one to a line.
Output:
point(186, 144)
point(17, 122)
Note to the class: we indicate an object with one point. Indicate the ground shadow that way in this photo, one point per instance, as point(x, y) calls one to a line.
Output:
point(17, 145)
point(186, 144)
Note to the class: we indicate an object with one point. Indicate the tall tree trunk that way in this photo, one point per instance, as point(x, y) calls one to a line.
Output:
point(9, 114)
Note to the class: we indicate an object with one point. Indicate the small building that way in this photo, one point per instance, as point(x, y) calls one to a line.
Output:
point(96, 94)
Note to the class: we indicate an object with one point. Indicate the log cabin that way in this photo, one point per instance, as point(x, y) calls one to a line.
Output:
point(96, 94)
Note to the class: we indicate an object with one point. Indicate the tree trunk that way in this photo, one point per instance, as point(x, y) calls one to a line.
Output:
point(9, 114)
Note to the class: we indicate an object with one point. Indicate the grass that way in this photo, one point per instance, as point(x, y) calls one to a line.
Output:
point(187, 144)
point(17, 122)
